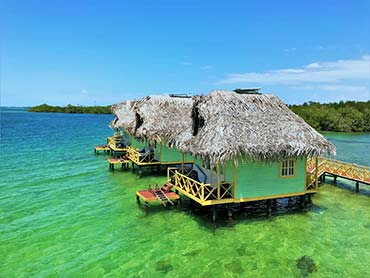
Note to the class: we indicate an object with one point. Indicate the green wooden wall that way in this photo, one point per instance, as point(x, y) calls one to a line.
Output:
point(126, 137)
point(173, 155)
point(256, 179)
point(136, 143)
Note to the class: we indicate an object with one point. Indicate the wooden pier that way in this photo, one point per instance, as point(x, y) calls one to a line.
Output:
point(337, 169)
point(163, 195)
point(124, 162)
point(104, 149)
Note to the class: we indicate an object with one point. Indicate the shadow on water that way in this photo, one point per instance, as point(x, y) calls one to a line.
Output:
point(350, 186)
point(243, 212)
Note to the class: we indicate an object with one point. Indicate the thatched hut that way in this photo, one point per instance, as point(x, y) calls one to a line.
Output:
point(151, 122)
point(125, 117)
point(248, 147)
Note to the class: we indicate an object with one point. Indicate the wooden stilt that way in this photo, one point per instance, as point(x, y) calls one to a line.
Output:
point(214, 215)
point(357, 186)
point(269, 207)
point(323, 178)
point(229, 213)
point(335, 179)
point(309, 199)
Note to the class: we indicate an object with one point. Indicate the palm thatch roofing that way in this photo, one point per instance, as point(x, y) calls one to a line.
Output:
point(125, 115)
point(157, 118)
point(228, 125)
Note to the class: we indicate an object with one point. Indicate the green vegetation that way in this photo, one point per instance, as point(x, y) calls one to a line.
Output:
point(350, 116)
point(71, 109)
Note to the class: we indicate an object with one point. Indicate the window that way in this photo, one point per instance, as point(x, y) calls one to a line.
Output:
point(287, 168)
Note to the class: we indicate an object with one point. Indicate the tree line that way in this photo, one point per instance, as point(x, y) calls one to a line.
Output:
point(72, 109)
point(349, 116)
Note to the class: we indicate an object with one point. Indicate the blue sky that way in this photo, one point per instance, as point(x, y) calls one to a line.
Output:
point(102, 52)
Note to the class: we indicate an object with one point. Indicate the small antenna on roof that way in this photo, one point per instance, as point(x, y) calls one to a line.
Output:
point(248, 91)
point(180, 95)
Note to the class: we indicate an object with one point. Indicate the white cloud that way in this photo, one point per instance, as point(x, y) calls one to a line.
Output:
point(186, 63)
point(207, 67)
point(291, 49)
point(318, 72)
point(84, 92)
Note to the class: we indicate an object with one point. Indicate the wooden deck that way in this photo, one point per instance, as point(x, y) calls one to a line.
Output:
point(338, 169)
point(149, 196)
point(317, 168)
point(104, 149)
point(150, 161)
point(120, 161)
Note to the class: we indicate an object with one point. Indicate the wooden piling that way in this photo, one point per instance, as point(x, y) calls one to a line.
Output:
point(357, 186)
point(269, 207)
point(214, 214)
point(229, 212)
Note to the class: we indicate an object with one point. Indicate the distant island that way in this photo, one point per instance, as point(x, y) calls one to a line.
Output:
point(349, 116)
point(71, 109)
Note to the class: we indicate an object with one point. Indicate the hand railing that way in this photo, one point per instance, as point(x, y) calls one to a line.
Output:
point(336, 167)
point(199, 190)
point(138, 157)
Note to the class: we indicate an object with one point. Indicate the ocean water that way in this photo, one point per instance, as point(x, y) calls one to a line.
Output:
point(64, 214)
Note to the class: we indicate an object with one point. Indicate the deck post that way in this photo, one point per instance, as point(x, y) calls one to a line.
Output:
point(218, 180)
point(357, 186)
point(234, 193)
point(182, 162)
point(335, 179)
point(316, 173)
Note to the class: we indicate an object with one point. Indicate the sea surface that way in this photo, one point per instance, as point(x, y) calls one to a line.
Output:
point(64, 214)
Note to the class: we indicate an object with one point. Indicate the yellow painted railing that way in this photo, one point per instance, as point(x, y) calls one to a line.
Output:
point(201, 192)
point(338, 168)
point(135, 156)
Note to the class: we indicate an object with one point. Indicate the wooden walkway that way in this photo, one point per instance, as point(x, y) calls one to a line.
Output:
point(338, 169)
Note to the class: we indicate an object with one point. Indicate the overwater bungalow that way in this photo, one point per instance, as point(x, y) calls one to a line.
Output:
point(248, 146)
point(143, 120)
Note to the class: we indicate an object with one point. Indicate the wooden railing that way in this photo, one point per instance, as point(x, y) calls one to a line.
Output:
point(202, 193)
point(348, 170)
point(337, 168)
point(139, 158)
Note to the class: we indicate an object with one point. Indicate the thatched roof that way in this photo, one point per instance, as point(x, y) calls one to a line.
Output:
point(253, 126)
point(125, 116)
point(157, 118)
point(258, 127)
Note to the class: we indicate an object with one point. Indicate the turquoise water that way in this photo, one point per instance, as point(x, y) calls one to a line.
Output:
point(63, 214)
